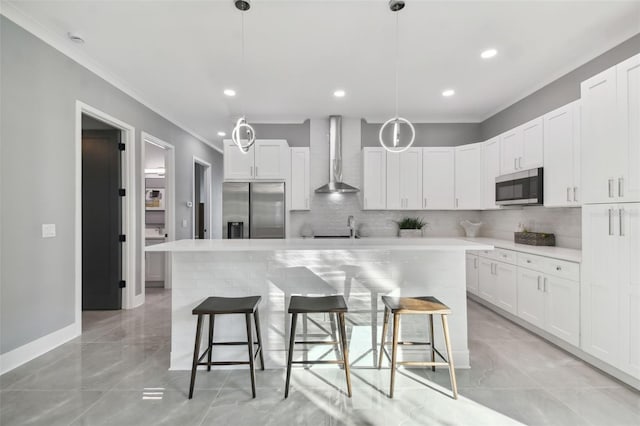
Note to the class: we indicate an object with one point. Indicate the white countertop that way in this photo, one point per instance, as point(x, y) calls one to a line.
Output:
point(571, 255)
point(426, 244)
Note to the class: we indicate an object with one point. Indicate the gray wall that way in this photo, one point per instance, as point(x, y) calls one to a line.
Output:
point(429, 134)
point(296, 134)
point(558, 93)
point(39, 87)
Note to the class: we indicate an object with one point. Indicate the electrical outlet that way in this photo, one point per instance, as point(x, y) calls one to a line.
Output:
point(48, 230)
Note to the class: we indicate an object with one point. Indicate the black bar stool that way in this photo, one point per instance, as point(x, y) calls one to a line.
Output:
point(316, 305)
point(213, 306)
point(416, 305)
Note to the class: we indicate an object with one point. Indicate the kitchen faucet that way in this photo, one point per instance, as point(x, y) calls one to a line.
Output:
point(351, 223)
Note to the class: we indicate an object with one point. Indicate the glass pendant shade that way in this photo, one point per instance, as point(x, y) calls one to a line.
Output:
point(397, 134)
point(243, 135)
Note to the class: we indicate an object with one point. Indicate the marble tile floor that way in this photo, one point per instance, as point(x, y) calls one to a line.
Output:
point(116, 373)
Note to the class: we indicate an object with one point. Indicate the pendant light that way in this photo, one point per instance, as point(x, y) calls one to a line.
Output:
point(243, 134)
point(396, 122)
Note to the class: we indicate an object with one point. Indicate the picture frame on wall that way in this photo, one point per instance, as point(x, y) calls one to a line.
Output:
point(154, 199)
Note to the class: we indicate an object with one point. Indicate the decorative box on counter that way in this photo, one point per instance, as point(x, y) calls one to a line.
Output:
point(535, 238)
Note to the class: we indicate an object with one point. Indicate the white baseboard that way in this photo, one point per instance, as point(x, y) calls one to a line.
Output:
point(25, 353)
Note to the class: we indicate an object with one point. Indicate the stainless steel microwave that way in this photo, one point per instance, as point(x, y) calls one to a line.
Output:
point(523, 188)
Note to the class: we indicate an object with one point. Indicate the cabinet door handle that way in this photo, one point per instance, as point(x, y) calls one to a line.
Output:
point(575, 193)
point(457, 203)
point(306, 203)
point(568, 194)
point(544, 285)
point(620, 187)
point(424, 203)
point(621, 220)
point(251, 171)
point(256, 171)
point(610, 188)
point(475, 263)
point(539, 277)
point(610, 221)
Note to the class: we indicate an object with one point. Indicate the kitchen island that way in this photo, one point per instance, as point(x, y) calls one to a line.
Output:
point(360, 269)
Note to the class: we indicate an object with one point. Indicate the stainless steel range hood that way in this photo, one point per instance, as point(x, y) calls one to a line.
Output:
point(335, 160)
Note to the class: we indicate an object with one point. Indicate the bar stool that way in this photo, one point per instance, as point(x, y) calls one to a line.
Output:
point(335, 305)
point(213, 306)
point(416, 305)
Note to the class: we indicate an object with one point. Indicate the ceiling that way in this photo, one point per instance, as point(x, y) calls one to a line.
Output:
point(179, 56)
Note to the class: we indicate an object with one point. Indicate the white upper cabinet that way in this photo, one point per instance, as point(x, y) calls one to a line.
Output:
point(490, 171)
point(562, 156)
point(438, 174)
point(522, 148)
point(300, 179)
point(404, 180)
point(272, 159)
point(532, 151)
point(468, 185)
point(266, 159)
point(374, 178)
point(237, 164)
point(611, 134)
point(628, 99)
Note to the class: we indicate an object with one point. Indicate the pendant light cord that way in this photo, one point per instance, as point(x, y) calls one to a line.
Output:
point(397, 59)
point(242, 70)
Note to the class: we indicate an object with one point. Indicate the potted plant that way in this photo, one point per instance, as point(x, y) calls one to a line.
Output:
point(411, 227)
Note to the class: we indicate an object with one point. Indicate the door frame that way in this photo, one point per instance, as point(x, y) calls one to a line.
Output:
point(207, 193)
point(128, 207)
point(170, 197)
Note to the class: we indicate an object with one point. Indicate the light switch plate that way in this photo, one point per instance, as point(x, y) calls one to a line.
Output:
point(48, 230)
point(184, 223)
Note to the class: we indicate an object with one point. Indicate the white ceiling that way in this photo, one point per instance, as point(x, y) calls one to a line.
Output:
point(178, 56)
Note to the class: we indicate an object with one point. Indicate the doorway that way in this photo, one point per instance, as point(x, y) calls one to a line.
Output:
point(102, 231)
point(201, 228)
point(158, 218)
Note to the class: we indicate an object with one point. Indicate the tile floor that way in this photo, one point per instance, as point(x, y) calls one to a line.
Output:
point(116, 374)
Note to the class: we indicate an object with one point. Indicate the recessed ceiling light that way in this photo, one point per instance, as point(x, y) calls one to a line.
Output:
point(448, 92)
point(339, 93)
point(229, 92)
point(75, 37)
point(222, 134)
point(489, 53)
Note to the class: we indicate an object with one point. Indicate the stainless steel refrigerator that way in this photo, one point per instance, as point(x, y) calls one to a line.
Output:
point(253, 210)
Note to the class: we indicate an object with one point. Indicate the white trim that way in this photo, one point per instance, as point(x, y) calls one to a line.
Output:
point(170, 203)
point(64, 46)
point(208, 194)
point(35, 348)
point(129, 207)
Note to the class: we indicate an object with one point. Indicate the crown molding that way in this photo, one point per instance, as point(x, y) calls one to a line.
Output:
point(64, 46)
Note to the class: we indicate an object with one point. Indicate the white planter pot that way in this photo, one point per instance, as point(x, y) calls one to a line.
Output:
point(410, 233)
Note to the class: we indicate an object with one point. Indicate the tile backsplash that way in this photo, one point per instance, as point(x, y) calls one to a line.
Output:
point(565, 223)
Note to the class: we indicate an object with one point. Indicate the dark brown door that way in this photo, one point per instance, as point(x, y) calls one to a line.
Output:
point(101, 220)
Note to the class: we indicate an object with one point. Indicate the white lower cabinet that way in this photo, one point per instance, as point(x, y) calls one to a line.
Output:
point(530, 297)
point(472, 273)
point(550, 303)
point(497, 284)
point(543, 291)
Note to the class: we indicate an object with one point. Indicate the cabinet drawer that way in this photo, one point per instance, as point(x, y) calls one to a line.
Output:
point(508, 256)
point(489, 254)
point(547, 265)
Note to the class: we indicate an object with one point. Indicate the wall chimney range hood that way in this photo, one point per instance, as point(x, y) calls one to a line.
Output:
point(335, 184)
